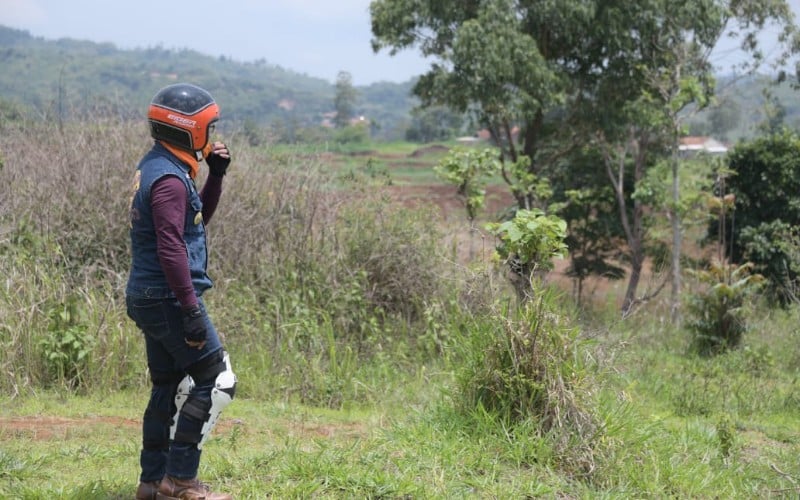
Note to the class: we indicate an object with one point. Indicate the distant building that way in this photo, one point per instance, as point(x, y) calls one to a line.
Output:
point(700, 144)
point(484, 135)
point(328, 120)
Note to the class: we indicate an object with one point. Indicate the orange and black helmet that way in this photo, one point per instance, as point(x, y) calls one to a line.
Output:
point(182, 115)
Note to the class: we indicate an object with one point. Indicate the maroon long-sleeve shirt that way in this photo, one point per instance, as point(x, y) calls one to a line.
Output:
point(169, 201)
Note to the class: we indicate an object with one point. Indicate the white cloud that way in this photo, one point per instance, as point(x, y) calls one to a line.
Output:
point(318, 9)
point(19, 13)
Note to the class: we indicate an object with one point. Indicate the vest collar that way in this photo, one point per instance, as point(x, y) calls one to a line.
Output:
point(184, 156)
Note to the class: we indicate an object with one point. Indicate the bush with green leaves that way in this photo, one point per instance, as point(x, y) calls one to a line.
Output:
point(528, 243)
point(766, 187)
point(469, 170)
point(718, 313)
point(352, 134)
point(774, 249)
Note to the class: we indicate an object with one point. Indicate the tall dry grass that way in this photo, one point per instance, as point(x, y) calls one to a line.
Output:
point(63, 240)
point(302, 263)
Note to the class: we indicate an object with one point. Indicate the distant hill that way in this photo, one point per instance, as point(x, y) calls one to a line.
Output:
point(72, 76)
point(741, 109)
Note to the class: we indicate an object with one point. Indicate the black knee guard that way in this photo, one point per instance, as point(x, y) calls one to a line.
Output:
point(158, 414)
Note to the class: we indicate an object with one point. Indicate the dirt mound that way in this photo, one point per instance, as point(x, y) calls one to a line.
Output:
point(365, 152)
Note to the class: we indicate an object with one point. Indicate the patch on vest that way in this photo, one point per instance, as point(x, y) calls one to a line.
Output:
point(134, 214)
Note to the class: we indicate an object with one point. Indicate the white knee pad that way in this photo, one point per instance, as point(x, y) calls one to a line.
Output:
point(184, 388)
point(221, 396)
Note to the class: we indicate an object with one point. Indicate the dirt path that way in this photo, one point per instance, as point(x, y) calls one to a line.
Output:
point(47, 428)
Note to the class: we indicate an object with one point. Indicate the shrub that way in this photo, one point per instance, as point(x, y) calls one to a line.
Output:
point(312, 278)
point(718, 316)
point(766, 189)
point(67, 344)
point(396, 249)
point(524, 366)
point(774, 249)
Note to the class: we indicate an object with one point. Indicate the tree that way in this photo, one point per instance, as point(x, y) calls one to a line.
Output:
point(654, 66)
point(545, 77)
point(766, 187)
point(775, 114)
point(436, 123)
point(724, 117)
point(345, 100)
point(691, 79)
point(470, 170)
point(586, 201)
point(505, 62)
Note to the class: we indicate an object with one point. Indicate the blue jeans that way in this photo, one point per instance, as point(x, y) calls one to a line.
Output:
point(169, 358)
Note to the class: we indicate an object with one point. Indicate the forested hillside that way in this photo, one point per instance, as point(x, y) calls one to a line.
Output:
point(68, 76)
point(743, 107)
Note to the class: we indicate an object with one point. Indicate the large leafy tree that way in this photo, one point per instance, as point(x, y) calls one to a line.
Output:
point(504, 61)
point(651, 68)
point(510, 65)
point(649, 62)
point(616, 73)
point(436, 123)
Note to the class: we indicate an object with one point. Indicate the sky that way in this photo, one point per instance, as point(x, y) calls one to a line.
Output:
point(319, 38)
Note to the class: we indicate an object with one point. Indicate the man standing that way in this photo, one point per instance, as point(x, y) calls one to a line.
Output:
point(190, 371)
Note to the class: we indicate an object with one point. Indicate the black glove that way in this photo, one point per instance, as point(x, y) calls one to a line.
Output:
point(217, 165)
point(195, 326)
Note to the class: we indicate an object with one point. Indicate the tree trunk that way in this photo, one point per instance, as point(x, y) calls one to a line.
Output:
point(633, 225)
point(677, 239)
point(633, 283)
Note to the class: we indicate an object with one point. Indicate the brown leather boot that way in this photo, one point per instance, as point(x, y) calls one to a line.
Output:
point(172, 488)
point(147, 490)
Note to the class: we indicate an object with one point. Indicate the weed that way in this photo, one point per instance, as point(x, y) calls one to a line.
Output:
point(67, 345)
point(726, 434)
point(12, 468)
point(718, 315)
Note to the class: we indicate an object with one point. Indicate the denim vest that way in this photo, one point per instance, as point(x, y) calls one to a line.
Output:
point(146, 279)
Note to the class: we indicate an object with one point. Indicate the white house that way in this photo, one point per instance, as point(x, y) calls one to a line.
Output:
point(696, 144)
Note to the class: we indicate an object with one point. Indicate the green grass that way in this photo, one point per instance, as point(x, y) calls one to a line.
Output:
point(261, 449)
point(386, 162)
point(370, 365)
point(663, 414)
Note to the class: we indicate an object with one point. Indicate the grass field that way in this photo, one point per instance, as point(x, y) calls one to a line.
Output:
point(339, 398)
point(675, 426)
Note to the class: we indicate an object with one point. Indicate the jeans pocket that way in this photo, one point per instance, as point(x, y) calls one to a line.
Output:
point(149, 315)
